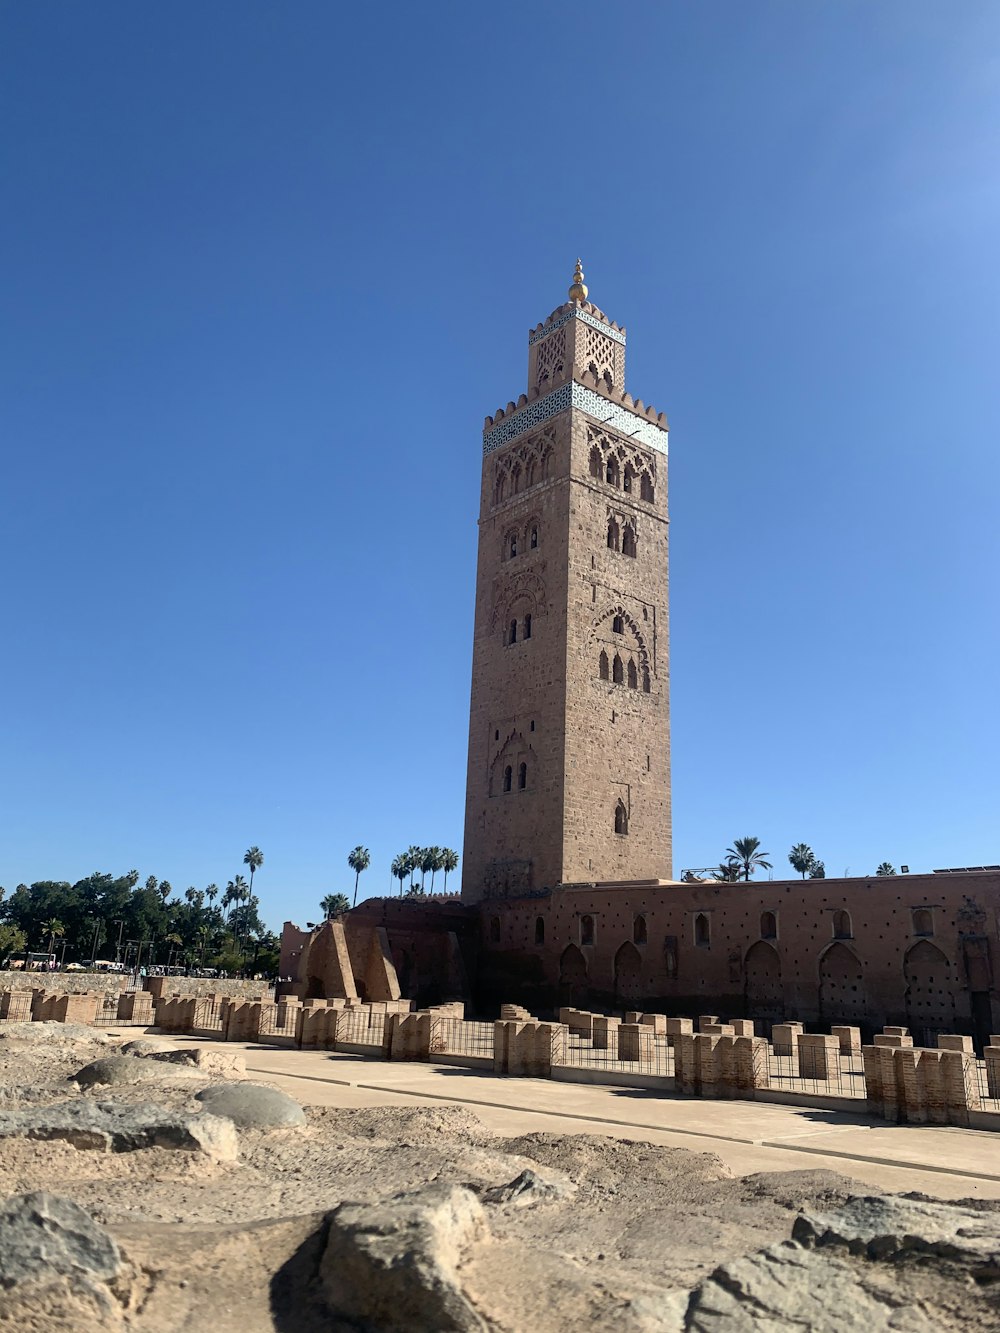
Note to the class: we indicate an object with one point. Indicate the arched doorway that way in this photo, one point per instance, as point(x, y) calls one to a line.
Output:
point(628, 969)
point(842, 996)
point(762, 983)
point(572, 975)
point(930, 992)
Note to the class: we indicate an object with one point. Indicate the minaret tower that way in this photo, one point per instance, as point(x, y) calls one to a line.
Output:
point(569, 730)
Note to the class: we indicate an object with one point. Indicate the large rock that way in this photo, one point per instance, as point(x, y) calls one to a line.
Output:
point(42, 1234)
point(49, 1034)
point(118, 1071)
point(252, 1106)
point(788, 1289)
point(531, 1187)
point(147, 1046)
point(886, 1226)
point(110, 1127)
point(395, 1265)
point(211, 1060)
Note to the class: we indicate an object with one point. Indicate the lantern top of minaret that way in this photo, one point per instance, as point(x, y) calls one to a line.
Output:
point(578, 291)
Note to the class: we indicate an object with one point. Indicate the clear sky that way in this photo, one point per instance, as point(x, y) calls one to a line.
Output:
point(265, 268)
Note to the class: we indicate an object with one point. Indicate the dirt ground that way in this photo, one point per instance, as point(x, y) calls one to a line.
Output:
point(624, 1234)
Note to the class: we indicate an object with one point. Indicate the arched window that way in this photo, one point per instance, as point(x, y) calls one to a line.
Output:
point(618, 625)
point(534, 539)
point(628, 540)
point(702, 931)
point(633, 675)
point(768, 926)
point(613, 535)
point(512, 546)
point(539, 930)
point(586, 930)
point(618, 671)
point(596, 462)
point(522, 777)
point(639, 930)
point(608, 380)
point(645, 680)
point(495, 929)
point(512, 635)
point(923, 921)
point(529, 472)
point(546, 464)
point(515, 478)
point(628, 477)
point(621, 818)
point(842, 926)
point(646, 488)
point(501, 488)
point(611, 472)
point(508, 775)
point(602, 665)
point(526, 634)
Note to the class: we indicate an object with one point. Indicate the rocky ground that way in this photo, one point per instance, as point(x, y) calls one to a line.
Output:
point(160, 1190)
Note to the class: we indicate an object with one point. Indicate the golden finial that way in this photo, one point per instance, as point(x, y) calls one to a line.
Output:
point(578, 291)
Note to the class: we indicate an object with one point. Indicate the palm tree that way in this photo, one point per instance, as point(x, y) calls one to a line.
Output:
point(802, 858)
point(254, 858)
point(449, 861)
point(435, 857)
point(744, 851)
point(415, 855)
point(400, 869)
point(166, 889)
point(335, 904)
point(886, 868)
point(358, 860)
point(211, 893)
point(426, 863)
point(52, 928)
point(727, 871)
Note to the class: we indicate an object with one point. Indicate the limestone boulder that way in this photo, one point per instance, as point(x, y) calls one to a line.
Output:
point(889, 1226)
point(113, 1127)
point(252, 1105)
point(42, 1234)
point(395, 1265)
point(119, 1071)
point(211, 1060)
point(147, 1046)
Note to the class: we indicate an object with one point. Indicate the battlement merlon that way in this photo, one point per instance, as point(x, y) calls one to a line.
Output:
point(628, 416)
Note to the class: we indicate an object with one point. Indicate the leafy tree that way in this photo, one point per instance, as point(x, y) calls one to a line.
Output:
point(746, 852)
point(166, 889)
point(335, 904)
point(415, 856)
point(802, 858)
point(886, 868)
point(416, 891)
point(254, 858)
point(435, 861)
point(728, 871)
point(53, 928)
point(817, 870)
point(358, 860)
point(12, 940)
point(400, 869)
point(449, 862)
point(211, 893)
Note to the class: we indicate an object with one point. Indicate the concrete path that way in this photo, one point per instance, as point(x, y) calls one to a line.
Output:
point(748, 1136)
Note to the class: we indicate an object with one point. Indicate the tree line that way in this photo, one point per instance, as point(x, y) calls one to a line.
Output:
point(115, 917)
point(745, 857)
point(422, 861)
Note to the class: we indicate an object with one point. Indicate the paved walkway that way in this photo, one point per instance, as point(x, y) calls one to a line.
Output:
point(748, 1136)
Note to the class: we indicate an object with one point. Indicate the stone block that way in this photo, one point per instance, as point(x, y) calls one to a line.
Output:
point(706, 1019)
point(951, 1041)
point(719, 1030)
point(658, 1022)
point(743, 1027)
point(605, 1032)
point(819, 1056)
point(849, 1038)
point(636, 1042)
point(81, 1008)
point(893, 1040)
point(896, 1031)
point(677, 1028)
point(136, 1007)
point(784, 1037)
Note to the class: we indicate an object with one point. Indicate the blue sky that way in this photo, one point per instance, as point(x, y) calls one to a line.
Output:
point(266, 267)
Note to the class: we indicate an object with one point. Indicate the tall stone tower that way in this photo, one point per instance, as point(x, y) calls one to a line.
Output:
point(569, 732)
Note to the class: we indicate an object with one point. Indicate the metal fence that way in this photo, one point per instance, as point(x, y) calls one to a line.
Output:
point(361, 1027)
point(461, 1038)
point(653, 1057)
point(843, 1076)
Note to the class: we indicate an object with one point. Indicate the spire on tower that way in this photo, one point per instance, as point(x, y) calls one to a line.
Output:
point(578, 291)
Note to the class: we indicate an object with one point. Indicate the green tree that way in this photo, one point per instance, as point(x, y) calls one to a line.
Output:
point(400, 869)
point(334, 904)
point(449, 862)
point(254, 858)
point(415, 855)
point(12, 940)
point(53, 928)
point(358, 860)
point(802, 858)
point(728, 871)
point(435, 858)
point(426, 865)
point(211, 893)
point(886, 868)
point(746, 852)
point(817, 870)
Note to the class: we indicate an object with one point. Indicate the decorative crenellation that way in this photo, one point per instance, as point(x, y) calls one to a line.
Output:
point(614, 408)
point(606, 326)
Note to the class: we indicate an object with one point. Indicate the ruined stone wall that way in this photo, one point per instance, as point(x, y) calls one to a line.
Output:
point(920, 950)
point(67, 983)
